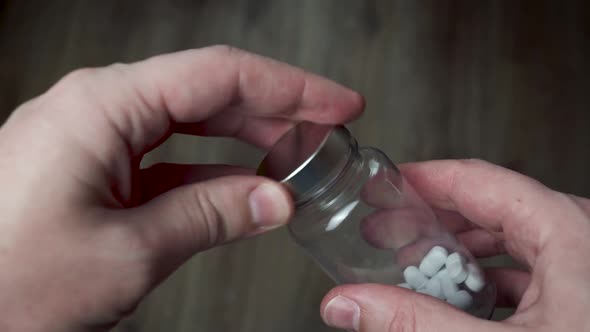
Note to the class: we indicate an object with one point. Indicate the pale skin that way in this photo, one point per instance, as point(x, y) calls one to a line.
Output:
point(85, 234)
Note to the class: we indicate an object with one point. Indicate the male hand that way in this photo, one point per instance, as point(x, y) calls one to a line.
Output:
point(84, 233)
point(547, 231)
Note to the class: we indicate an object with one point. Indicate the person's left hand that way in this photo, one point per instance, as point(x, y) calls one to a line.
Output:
point(84, 233)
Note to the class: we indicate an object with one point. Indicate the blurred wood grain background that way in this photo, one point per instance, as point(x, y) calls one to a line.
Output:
point(506, 81)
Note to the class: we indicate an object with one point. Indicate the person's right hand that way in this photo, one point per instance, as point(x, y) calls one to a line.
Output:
point(548, 231)
point(85, 232)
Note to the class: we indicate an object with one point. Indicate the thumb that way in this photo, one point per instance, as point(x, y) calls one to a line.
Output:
point(380, 308)
point(191, 218)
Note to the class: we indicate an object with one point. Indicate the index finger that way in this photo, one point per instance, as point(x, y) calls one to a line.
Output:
point(143, 101)
point(531, 216)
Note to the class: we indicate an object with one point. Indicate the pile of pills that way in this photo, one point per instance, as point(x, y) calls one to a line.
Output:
point(445, 276)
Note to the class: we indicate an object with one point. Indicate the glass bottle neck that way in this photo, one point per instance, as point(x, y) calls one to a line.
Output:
point(338, 184)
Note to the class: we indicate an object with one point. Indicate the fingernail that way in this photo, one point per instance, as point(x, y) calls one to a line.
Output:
point(270, 206)
point(343, 313)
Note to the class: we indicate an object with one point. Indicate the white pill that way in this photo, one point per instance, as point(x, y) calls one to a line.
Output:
point(404, 285)
point(455, 266)
point(442, 274)
point(432, 288)
point(457, 273)
point(448, 286)
point(433, 261)
point(455, 257)
point(414, 277)
point(475, 280)
point(461, 299)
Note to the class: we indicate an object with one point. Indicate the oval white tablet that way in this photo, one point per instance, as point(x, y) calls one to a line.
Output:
point(455, 265)
point(432, 288)
point(475, 280)
point(414, 277)
point(433, 261)
point(448, 287)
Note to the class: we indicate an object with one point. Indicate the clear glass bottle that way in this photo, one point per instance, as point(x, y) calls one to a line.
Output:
point(363, 223)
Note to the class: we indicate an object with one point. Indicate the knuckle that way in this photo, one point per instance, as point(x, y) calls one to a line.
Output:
point(25, 110)
point(403, 319)
point(205, 222)
point(73, 87)
point(473, 162)
point(118, 67)
point(82, 79)
point(225, 50)
point(78, 76)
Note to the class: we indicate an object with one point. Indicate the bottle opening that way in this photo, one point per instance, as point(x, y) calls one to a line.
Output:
point(307, 157)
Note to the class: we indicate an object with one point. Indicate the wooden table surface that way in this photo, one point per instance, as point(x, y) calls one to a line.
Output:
point(506, 81)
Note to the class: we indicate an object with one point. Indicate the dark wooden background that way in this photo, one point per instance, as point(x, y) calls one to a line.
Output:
point(507, 81)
